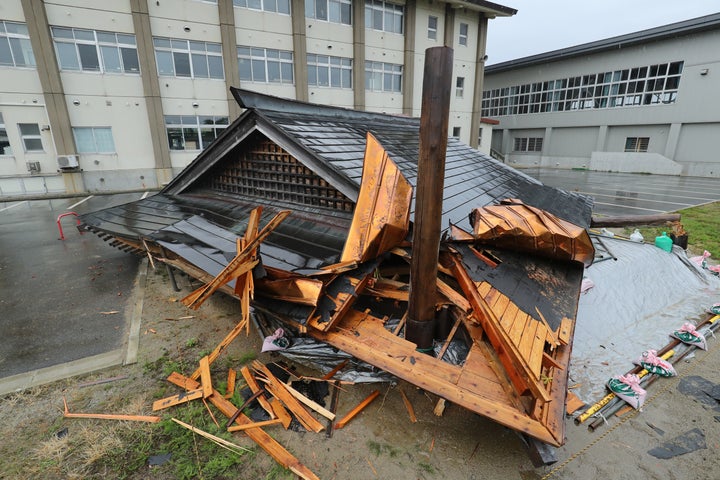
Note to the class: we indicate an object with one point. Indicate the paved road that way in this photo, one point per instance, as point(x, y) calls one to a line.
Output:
point(54, 291)
point(632, 194)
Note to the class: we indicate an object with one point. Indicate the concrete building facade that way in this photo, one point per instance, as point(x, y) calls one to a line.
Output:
point(645, 102)
point(122, 94)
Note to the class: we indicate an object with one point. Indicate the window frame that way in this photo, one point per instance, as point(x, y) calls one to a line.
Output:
point(647, 85)
point(432, 31)
point(384, 9)
point(20, 45)
point(265, 6)
point(463, 37)
point(341, 66)
point(5, 151)
point(636, 144)
point(383, 73)
point(459, 87)
point(528, 144)
point(183, 124)
point(94, 131)
point(31, 136)
point(184, 53)
point(124, 49)
point(254, 56)
point(333, 11)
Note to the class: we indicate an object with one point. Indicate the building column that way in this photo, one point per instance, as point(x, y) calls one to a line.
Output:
point(151, 90)
point(52, 87)
point(449, 37)
point(226, 13)
point(480, 58)
point(547, 138)
point(297, 8)
point(672, 141)
point(409, 62)
point(358, 19)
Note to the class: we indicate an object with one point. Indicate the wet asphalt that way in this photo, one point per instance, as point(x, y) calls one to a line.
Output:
point(57, 296)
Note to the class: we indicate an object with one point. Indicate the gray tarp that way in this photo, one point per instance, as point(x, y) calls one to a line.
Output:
point(637, 301)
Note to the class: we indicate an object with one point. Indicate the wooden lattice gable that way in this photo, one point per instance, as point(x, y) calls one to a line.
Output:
point(261, 169)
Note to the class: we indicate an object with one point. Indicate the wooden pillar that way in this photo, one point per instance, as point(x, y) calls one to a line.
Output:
point(437, 84)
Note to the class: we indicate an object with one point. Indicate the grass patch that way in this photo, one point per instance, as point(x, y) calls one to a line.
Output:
point(426, 467)
point(702, 225)
point(382, 448)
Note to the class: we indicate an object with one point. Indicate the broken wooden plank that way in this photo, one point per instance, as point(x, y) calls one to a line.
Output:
point(449, 338)
point(230, 389)
point(564, 331)
point(205, 380)
point(408, 406)
point(220, 348)
point(279, 390)
point(260, 424)
point(240, 264)
point(335, 370)
point(258, 435)
point(333, 406)
point(220, 441)
point(310, 403)
point(516, 365)
point(359, 408)
point(178, 399)
point(110, 416)
point(254, 387)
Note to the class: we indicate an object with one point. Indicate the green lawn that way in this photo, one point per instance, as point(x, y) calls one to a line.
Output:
point(702, 225)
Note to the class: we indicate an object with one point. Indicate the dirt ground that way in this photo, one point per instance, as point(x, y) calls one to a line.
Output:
point(381, 443)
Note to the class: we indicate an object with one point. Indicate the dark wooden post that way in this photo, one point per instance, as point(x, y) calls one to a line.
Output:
point(437, 84)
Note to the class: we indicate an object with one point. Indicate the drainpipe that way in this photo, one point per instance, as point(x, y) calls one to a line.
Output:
point(437, 84)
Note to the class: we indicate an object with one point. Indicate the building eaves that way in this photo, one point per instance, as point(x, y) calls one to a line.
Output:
point(686, 27)
point(489, 8)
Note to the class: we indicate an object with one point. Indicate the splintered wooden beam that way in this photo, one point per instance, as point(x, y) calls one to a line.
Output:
point(335, 370)
point(244, 285)
point(221, 347)
point(230, 390)
point(205, 380)
point(310, 403)
point(237, 266)
point(258, 435)
point(109, 416)
point(279, 390)
point(178, 399)
point(359, 408)
point(255, 388)
point(263, 423)
point(408, 406)
point(220, 441)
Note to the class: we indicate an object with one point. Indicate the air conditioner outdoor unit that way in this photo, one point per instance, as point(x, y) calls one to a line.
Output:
point(68, 162)
point(33, 167)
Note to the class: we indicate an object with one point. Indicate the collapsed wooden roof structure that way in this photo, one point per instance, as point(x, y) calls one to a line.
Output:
point(327, 253)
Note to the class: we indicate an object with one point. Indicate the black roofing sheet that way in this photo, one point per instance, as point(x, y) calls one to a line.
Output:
point(471, 179)
point(301, 243)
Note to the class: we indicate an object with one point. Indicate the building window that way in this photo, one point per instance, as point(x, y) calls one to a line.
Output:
point(183, 58)
point(384, 16)
point(30, 135)
point(335, 11)
point(432, 27)
point(528, 144)
point(383, 77)
point(480, 136)
point(15, 48)
point(4, 140)
point(94, 51)
point(265, 65)
point(648, 85)
point(460, 87)
point(456, 132)
point(277, 6)
point(326, 71)
point(463, 39)
point(637, 144)
point(94, 139)
point(193, 132)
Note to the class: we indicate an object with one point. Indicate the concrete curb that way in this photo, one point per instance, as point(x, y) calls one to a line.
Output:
point(133, 341)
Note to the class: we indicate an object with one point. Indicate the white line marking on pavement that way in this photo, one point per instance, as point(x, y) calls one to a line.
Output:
point(78, 203)
point(13, 206)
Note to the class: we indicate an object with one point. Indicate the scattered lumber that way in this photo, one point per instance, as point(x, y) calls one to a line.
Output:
point(408, 406)
point(220, 441)
point(178, 399)
point(359, 408)
point(109, 416)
